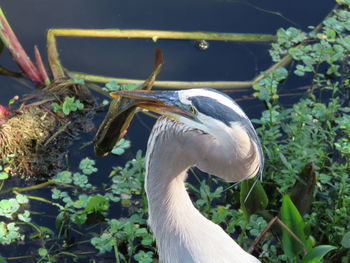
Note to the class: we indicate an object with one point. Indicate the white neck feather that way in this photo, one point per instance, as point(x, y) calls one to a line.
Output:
point(182, 234)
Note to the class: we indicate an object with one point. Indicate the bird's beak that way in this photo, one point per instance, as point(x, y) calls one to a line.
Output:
point(166, 103)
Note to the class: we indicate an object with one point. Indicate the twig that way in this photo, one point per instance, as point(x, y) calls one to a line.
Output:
point(60, 130)
point(296, 238)
point(262, 234)
point(267, 228)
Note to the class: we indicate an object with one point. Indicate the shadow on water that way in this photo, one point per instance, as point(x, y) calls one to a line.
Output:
point(133, 58)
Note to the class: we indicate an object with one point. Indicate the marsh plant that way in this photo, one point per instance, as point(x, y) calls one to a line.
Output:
point(305, 182)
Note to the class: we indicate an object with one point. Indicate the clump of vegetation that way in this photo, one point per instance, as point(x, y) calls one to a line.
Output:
point(34, 134)
point(16, 139)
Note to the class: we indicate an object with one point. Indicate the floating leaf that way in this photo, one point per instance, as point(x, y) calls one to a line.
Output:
point(42, 252)
point(8, 207)
point(22, 199)
point(64, 177)
point(3, 176)
point(87, 166)
point(120, 147)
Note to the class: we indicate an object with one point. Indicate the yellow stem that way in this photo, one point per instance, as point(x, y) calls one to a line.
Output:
point(57, 69)
point(167, 84)
point(159, 34)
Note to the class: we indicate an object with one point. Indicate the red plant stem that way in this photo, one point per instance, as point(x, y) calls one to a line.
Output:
point(10, 40)
point(3, 112)
point(41, 67)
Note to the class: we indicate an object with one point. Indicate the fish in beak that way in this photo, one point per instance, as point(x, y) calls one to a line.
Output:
point(165, 103)
point(120, 113)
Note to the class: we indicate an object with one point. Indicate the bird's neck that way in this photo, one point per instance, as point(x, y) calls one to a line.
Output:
point(182, 233)
point(171, 212)
point(165, 187)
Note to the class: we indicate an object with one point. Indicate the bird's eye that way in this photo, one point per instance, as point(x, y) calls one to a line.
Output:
point(193, 110)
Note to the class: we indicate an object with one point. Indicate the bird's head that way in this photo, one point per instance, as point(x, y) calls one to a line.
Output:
point(207, 110)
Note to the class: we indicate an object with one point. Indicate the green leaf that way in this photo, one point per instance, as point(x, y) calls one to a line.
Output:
point(120, 147)
point(2, 260)
point(25, 217)
point(59, 220)
point(79, 218)
point(316, 254)
point(56, 107)
point(42, 252)
point(345, 242)
point(64, 177)
point(104, 243)
point(130, 86)
point(3, 175)
point(8, 207)
point(87, 166)
point(22, 199)
point(291, 217)
point(144, 257)
point(112, 86)
point(69, 104)
point(253, 198)
point(96, 203)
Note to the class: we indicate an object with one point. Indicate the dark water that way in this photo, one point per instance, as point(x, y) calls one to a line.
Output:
point(133, 58)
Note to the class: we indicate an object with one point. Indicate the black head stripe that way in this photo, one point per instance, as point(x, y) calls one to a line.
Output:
point(213, 108)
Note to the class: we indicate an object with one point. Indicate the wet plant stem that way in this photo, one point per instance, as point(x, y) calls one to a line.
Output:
point(165, 84)
point(20, 257)
point(34, 187)
point(57, 69)
point(40, 199)
point(116, 253)
point(40, 233)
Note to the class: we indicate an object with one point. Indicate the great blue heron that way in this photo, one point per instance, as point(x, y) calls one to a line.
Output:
point(203, 128)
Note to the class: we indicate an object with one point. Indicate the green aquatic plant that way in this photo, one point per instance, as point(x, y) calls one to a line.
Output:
point(69, 105)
